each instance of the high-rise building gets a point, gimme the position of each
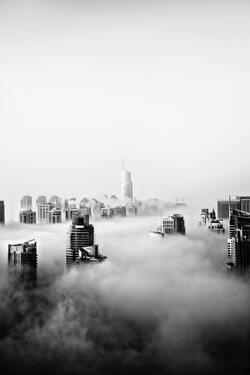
(107, 212)
(56, 201)
(42, 209)
(239, 241)
(72, 202)
(120, 211)
(241, 203)
(27, 217)
(167, 226)
(54, 216)
(223, 207)
(245, 203)
(80, 234)
(179, 224)
(174, 224)
(204, 215)
(70, 212)
(126, 184)
(2, 212)
(41, 199)
(26, 202)
(22, 259)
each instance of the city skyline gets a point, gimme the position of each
(139, 268)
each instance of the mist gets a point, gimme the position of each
(154, 305)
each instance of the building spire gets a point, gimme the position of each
(123, 163)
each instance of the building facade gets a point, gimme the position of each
(174, 224)
(239, 241)
(54, 216)
(223, 207)
(42, 209)
(41, 199)
(26, 202)
(80, 234)
(56, 201)
(27, 217)
(2, 213)
(22, 259)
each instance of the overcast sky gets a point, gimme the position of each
(164, 84)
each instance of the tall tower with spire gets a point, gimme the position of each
(126, 184)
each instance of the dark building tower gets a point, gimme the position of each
(245, 204)
(239, 241)
(179, 224)
(22, 259)
(2, 212)
(223, 207)
(80, 235)
(27, 217)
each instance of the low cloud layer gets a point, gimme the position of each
(162, 306)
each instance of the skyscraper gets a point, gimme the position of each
(167, 226)
(245, 203)
(22, 259)
(126, 184)
(41, 199)
(54, 216)
(2, 212)
(56, 201)
(174, 224)
(26, 202)
(179, 224)
(239, 241)
(80, 234)
(223, 207)
(27, 217)
(42, 209)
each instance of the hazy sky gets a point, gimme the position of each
(165, 84)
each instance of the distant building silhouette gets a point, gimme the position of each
(26, 202)
(56, 201)
(54, 216)
(42, 209)
(131, 210)
(126, 184)
(2, 212)
(27, 217)
(239, 241)
(70, 212)
(41, 199)
(107, 212)
(22, 259)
